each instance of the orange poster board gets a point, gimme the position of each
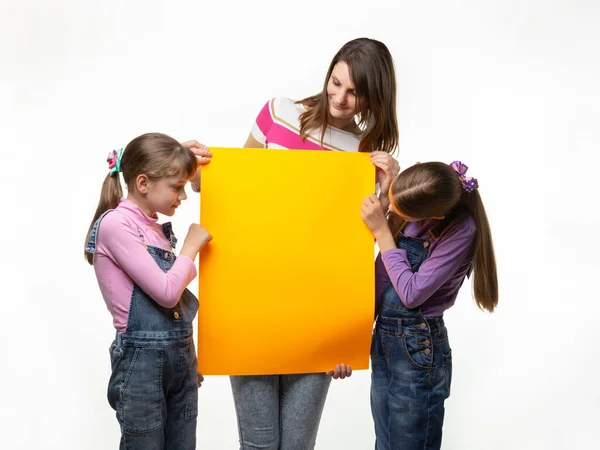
(287, 283)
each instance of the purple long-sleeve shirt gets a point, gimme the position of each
(434, 287)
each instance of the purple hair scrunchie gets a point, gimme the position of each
(469, 184)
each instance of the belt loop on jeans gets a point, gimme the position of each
(399, 330)
(119, 338)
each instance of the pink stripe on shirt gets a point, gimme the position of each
(278, 126)
(264, 120)
(288, 139)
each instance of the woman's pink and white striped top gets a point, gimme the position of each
(278, 126)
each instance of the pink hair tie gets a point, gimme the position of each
(114, 161)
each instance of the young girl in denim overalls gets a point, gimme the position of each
(436, 235)
(154, 382)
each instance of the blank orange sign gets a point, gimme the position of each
(287, 283)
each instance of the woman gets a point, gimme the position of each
(355, 111)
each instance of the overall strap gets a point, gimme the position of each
(91, 242)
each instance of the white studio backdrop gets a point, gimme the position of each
(509, 87)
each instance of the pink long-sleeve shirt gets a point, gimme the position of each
(121, 259)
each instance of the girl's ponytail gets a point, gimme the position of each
(485, 279)
(109, 199)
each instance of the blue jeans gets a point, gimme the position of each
(279, 412)
(411, 365)
(154, 391)
(409, 384)
(154, 382)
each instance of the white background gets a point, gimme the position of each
(511, 87)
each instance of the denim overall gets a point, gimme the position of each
(411, 366)
(154, 381)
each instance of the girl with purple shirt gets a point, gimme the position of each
(154, 382)
(436, 234)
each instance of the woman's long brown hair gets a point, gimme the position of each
(372, 72)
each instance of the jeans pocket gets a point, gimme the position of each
(116, 353)
(191, 406)
(117, 375)
(376, 344)
(141, 396)
(418, 349)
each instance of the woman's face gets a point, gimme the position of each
(341, 96)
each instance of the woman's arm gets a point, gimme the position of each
(203, 154)
(387, 169)
(251, 142)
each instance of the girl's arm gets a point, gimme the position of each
(374, 217)
(452, 252)
(120, 242)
